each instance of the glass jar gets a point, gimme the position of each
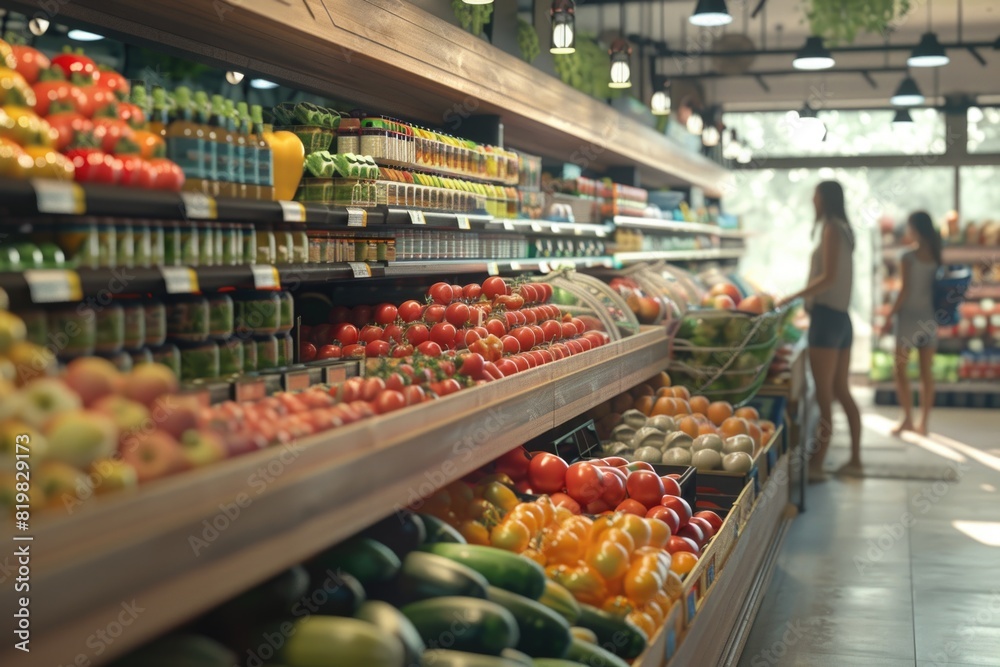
(220, 316)
(257, 313)
(231, 360)
(267, 352)
(156, 323)
(199, 360)
(188, 317)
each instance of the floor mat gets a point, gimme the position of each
(906, 472)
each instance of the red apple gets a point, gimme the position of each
(92, 378)
(727, 289)
(154, 455)
(719, 302)
(752, 304)
(147, 382)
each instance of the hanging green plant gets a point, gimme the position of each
(527, 40)
(472, 17)
(839, 21)
(588, 69)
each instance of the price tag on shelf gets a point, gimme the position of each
(492, 268)
(180, 280)
(710, 573)
(536, 227)
(59, 197)
(335, 374)
(360, 269)
(292, 211)
(578, 230)
(508, 225)
(515, 266)
(296, 380)
(251, 390)
(53, 285)
(543, 267)
(463, 222)
(198, 206)
(556, 229)
(357, 217)
(691, 602)
(265, 277)
(202, 396)
(417, 218)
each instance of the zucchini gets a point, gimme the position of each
(187, 650)
(593, 655)
(444, 658)
(344, 596)
(614, 634)
(516, 656)
(583, 634)
(436, 530)
(464, 624)
(501, 568)
(544, 633)
(370, 562)
(558, 598)
(402, 532)
(425, 576)
(391, 621)
(331, 641)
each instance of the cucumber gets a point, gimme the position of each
(187, 650)
(614, 634)
(464, 624)
(370, 562)
(402, 532)
(557, 598)
(330, 641)
(593, 655)
(425, 576)
(344, 596)
(501, 568)
(391, 621)
(444, 658)
(544, 633)
(516, 656)
(436, 530)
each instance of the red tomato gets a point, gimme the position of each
(441, 293)
(307, 352)
(496, 327)
(472, 291)
(361, 316)
(393, 333)
(339, 314)
(325, 352)
(692, 532)
(493, 371)
(371, 388)
(414, 394)
(137, 173)
(670, 486)
(552, 330)
(385, 313)
(530, 293)
(678, 543)
(547, 472)
(678, 505)
(636, 465)
(584, 482)
(445, 387)
(521, 363)
(546, 356)
(417, 333)
(510, 345)
(429, 348)
(466, 337)
(645, 487)
(410, 311)
(457, 314)
(494, 287)
(631, 506)
(68, 125)
(615, 461)
(355, 350)
(666, 515)
(509, 301)
(94, 166)
(395, 381)
(537, 357)
(530, 360)
(706, 528)
(613, 487)
(443, 334)
(344, 333)
(472, 365)
(562, 500)
(714, 519)
(514, 464)
(510, 319)
(586, 343)
(574, 347)
(525, 338)
(370, 333)
(434, 313)
(531, 317)
(507, 367)
(388, 401)
(377, 348)
(402, 351)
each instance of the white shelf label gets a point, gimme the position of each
(508, 225)
(297, 381)
(357, 217)
(417, 218)
(463, 222)
(292, 211)
(492, 268)
(265, 277)
(250, 390)
(578, 231)
(335, 374)
(543, 267)
(59, 197)
(53, 285)
(515, 266)
(199, 206)
(556, 229)
(535, 227)
(180, 280)
(360, 269)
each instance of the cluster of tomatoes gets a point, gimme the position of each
(510, 326)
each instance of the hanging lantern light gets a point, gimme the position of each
(660, 103)
(563, 27)
(695, 123)
(621, 72)
(733, 147)
(711, 136)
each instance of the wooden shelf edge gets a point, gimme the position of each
(272, 509)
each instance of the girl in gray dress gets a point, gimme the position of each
(913, 318)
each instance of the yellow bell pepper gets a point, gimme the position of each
(14, 162)
(49, 163)
(14, 88)
(24, 126)
(7, 58)
(288, 155)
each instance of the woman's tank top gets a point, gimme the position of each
(920, 279)
(838, 295)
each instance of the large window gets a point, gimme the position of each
(980, 194)
(984, 130)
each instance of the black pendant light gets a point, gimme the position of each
(929, 52)
(813, 55)
(563, 27)
(711, 14)
(902, 117)
(908, 94)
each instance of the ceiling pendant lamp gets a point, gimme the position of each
(660, 103)
(928, 53)
(563, 27)
(711, 14)
(732, 148)
(621, 72)
(908, 94)
(813, 55)
(478, 2)
(902, 118)
(695, 123)
(710, 136)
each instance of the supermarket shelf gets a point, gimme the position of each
(492, 267)
(410, 216)
(983, 291)
(970, 387)
(286, 503)
(955, 254)
(694, 255)
(675, 226)
(552, 227)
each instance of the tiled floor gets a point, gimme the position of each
(893, 573)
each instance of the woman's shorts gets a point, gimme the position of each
(829, 328)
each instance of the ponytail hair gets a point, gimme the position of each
(923, 225)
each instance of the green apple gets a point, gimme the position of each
(43, 399)
(129, 416)
(79, 437)
(114, 475)
(201, 447)
(12, 330)
(60, 484)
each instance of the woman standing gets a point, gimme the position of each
(828, 296)
(913, 318)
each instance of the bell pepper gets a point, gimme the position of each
(68, 123)
(24, 126)
(7, 58)
(30, 62)
(49, 163)
(51, 88)
(14, 89)
(288, 155)
(14, 162)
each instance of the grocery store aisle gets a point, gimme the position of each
(888, 572)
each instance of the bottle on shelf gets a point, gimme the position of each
(158, 112)
(265, 162)
(225, 148)
(244, 152)
(185, 141)
(210, 132)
